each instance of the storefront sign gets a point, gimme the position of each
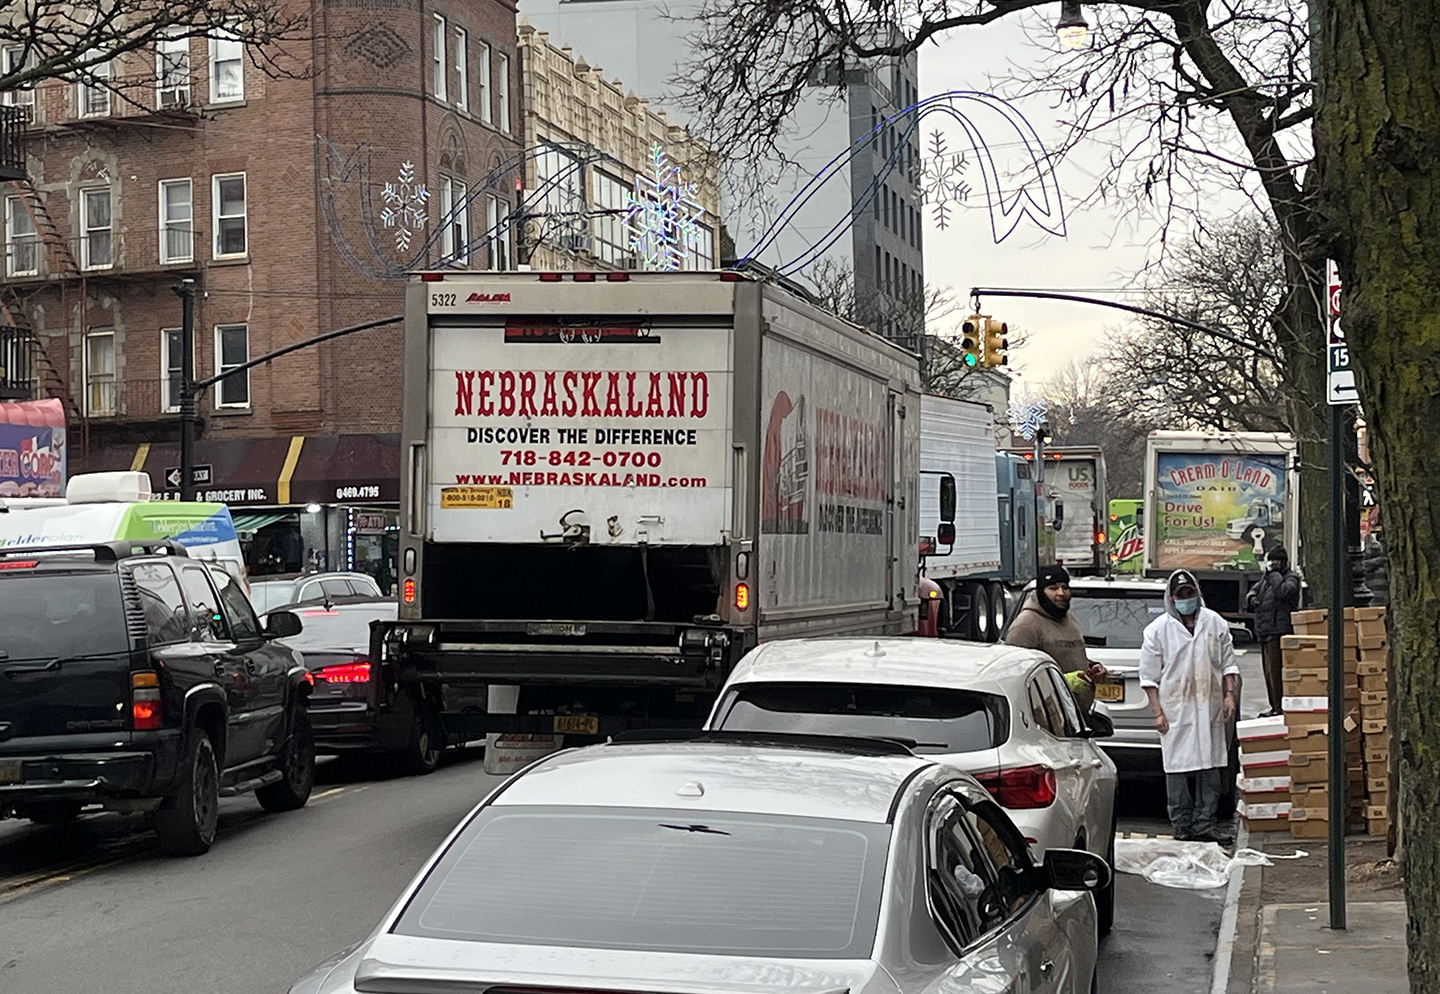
(32, 449)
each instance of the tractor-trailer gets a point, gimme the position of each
(616, 484)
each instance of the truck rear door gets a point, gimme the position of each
(64, 653)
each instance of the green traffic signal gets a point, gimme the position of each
(970, 359)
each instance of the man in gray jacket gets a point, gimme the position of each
(1045, 623)
(1273, 599)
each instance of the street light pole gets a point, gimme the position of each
(186, 291)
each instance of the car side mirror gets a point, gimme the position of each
(1097, 641)
(282, 624)
(1100, 725)
(1074, 869)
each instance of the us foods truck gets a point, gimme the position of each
(616, 484)
(1216, 504)
(1075, 481)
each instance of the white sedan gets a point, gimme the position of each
(1000, 713)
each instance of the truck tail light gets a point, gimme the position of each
(1021, 788)
(1099, 538)
(742, 596)
(583, 277)
(617, 277)
(409, 590)
(145, 707)
(354, 672)
(432, 277)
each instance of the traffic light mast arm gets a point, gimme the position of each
(977, 292)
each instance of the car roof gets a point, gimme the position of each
(911, 662)
(1137, 584)
(356, 601)
(278, 578)
(715, 776)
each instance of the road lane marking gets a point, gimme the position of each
(326, 793)
(15, 889)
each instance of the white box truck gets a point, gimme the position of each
(616, 484)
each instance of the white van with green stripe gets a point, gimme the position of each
(107, 507)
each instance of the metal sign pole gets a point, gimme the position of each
(186, 290)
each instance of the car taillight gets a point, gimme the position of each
(409, 591)
(145, 708)
(1021, 788)
(356, 672)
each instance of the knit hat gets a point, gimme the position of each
(1051, 575)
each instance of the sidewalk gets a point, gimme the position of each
(1283, 942)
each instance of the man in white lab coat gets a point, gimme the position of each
(1188, 670)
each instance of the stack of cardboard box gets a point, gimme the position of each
(1305, 674)
(1372, 654)
(1264, 774)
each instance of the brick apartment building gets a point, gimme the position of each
(295, 201)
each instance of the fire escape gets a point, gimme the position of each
(49, 269)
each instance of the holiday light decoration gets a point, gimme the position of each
(1028, 419)
(404, 209)
(661, 215)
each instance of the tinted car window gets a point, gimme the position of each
(1049, 704)
(1000, 848)
(1069, 710)
(342, 628)
(44, 615)
(682, 881)
(937, 720)
(337, 587)
(204, 606)
(166, 619)
(243, 624)
(1118, 616)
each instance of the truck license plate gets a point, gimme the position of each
(486, 498)
(10, 771)
(1107, 690)
(577, 724)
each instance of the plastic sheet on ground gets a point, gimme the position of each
(1185, 865)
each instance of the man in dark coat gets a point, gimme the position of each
(1273, 599)
(1045, 623)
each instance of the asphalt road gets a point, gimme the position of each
(94, 907)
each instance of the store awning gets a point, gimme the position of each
(249, 524)
(279, 471)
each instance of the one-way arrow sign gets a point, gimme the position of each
(199, 475)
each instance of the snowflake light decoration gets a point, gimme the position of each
(661, 215)
(405, 201)
(943, 182)
(1027, 420)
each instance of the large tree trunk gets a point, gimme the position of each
(1379, 160)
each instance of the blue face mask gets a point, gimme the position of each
(1187, 605)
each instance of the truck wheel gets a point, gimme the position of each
(53, 812)
(980, 614)
(422, 755)
(297, 763)
(187, 819)
(997, 610)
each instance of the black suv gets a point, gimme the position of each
(135, 677)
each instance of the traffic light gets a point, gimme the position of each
(972, 345)
(996, 344)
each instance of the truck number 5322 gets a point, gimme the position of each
(442, 300)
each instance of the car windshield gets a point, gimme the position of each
(1117, 616)
(936, 720)
(49, 615)
(268, 596)
(671, 881)
(340, 628)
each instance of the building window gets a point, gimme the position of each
(484, 83)
(171, 355)
(455, 221)
(100, 372)
(497, 231)
(232, 348)
(462, 70)
(611, 244)
(172, 72)
(437, 44)
(22, 241)
(700, 248)
(177, 216)
(96, 246)
(95, 93)
(228, 200)
(16, 60)
(227, 69)
(560, 190)
(502, 92)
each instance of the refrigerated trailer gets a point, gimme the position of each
(617, 484)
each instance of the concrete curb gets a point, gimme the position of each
(1229, 919)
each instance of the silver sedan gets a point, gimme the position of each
(735, 864)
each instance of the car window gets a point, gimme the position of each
(266, 596)
(241, 617)
(1117, 616)
(336, 587)
(1003, 849)
(1069, 710)
(365, 585)
(204, 605)
(937, 720)
(309, 591)
(1038, 712)
(48, 615)
(166, 619)
(1050, 702)
(685, 881)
